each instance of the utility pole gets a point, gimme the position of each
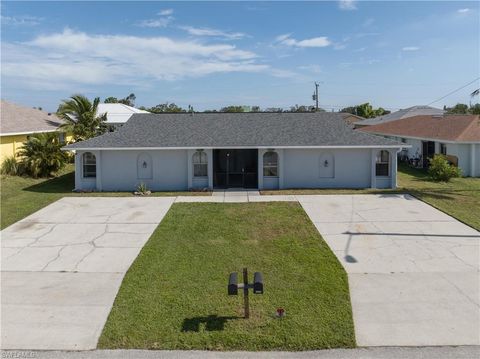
(315, 96)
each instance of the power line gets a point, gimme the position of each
(451, 93)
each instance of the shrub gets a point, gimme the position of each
(42, 155)
(142, 190)
(441, 170)
(11, 166)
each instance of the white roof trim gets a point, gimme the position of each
(424, 138)
(223, 147)
(28, 132)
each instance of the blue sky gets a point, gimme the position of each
(212, 54)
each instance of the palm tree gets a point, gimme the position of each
(41, 155)
(80, 116)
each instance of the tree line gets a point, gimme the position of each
(365, 110)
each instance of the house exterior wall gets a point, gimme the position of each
(11, 144)
(468, 154)
(172, 170)
(118, 171)
(351, 167)
(462, 152)
(476, 160)
(468, 157)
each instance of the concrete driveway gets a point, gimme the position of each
(413, 270)
(62, 268)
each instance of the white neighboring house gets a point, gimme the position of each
(117, 113)
(235, 150)
(455, 136)
(418, 110)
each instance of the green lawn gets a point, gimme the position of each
(459, 198)
(175, 294)
(21, 196)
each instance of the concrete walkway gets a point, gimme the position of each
(234, 196)
(413, 270)
(63, 265)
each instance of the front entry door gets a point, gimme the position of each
(235, 168)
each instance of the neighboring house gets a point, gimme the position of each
(19, 122)
(350, 118)
(235, 150)
(456, 136)
(398, 115)
(117, 113)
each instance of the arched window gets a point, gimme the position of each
(89, 165)
(200, 164)
(382, 165)
(270, 164)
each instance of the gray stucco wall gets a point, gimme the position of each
(477, 159)
(170, 170)
(462, 152)
(302, 168)
(118, 171)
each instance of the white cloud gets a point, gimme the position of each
(197, 31)
(24, 20)
(161, 22)
(368, 22)
(347, 5)
(80, 58)
(410, 48)
(463, 11)
(283, 73)
(316, 69)
(165, 12)
(285, 39)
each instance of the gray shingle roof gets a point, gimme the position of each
(203, 130)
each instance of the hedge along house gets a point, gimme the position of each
(235, 150)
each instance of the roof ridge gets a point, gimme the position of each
(471, 124)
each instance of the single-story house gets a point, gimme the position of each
(235, 150)
(419, 110)
(17, 123)
(117, 113)
(455, 136)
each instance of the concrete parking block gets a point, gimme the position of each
(200, 199)
(236, 199)
(273, 198)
